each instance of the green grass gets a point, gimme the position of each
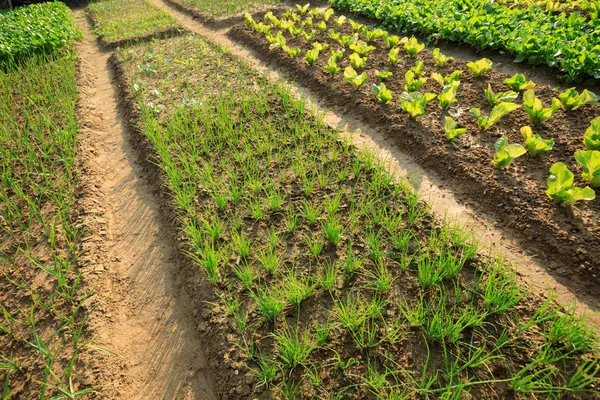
(128, 19)
(226, 7)
(42, 322)
(345, 286)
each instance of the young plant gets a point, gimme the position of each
(394, 56)
(417, 69)
(451, 130)
(320, 46)
(309, 37)
(383, 94)
(311, 56)
(356, 26)
(480, 67)
(383, 75)
(332, 66)
(448, 79)
(357, 61)
(321, 26)
(561, 189)
(341, 20)
(440, 59)
(292, 52)
(370, 36)
(414, 103)
(413, 47)
(506, 153)
(500, 97)
(352, 76)
(534, 143)
(519, 83)
(327, 14)
(413, 84)
(570, 99)
(590, 164)
(534, 107)
(591, 138)
(338, 55)
(362, 48)
(448, 95)
(390, 40)
(498, 112)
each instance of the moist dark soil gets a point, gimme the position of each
(566, 238)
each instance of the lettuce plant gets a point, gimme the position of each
(327, 14)
(571, 99)
(249, 21)
(321, 26)
(448, 79)
(382, 93)
(334, 35)
(294, 31)
(316, 13)
(591, 138)
(394, 56)
(390, 40)
(332, 66)
(303, 9)
(370, 36)
(356, 26)
(339, 54)
(561, 189)
(534, 107)
(500, 97)
(291, 51)
(448, 95)
(361, 48)
(417, 69)
(480, 67)
(354, 78)
(506, 153)
(451, 130)
(590, 164)
(308, 22)
(311, 56)
(439, 58)
(414, 103)
(413, 47)
(413, 84)
(498, 112)
(341, 20)
(383, 75)
(357, 61)
(320, 46)
(519, 83)
(534, 143)
(309, 37)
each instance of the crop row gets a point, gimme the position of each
(570, 43)
(360, 46)
(592, 7)
(225, 7)
(35, 29)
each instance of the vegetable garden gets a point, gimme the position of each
(324, 275)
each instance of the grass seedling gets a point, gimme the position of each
(332, 230)
(293, 346)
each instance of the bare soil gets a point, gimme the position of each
(144, 313)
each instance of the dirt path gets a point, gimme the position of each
(532, 272)
(143, 313)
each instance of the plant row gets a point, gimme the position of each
(568, 42)
(226, 7)
(592, 7)
(35, 29)
(360, 44)
(326, 272)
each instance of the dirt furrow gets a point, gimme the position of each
(143, 313)
(532, 272)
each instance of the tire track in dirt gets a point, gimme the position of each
(440, 198)
(143, 312)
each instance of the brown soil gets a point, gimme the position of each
(570, 236)
(143, 311)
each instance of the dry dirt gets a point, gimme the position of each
(143, 312)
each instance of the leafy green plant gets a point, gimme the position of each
(383, 94)
(414, 103)
(320, 46)
(413, 47)
(311, 56)
(292, 52)
(417, 69)
(480, 67)
(356, 26)
(332, 66)
(303, 9)
(357, 61)
(362, 48)
(451, 130)
(561, 189)
(371, 35)
(448, 79)
(383, 75)
(341, 20)
(519, 83)
(534, 107)
(534, 143)
(570, 99)
(500, 97)
(321, 26)
(338, 54)
(439, 58)
(394, 56)
(309, 37)
(498, 112)
(390, 40)
(589, 160)
(327, 14)
(413, 84)
(591, 138)
(506, 153)
(354, 78)
(448, 95)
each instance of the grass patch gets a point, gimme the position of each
(335, 281)
(123, 20)
(226, 7)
